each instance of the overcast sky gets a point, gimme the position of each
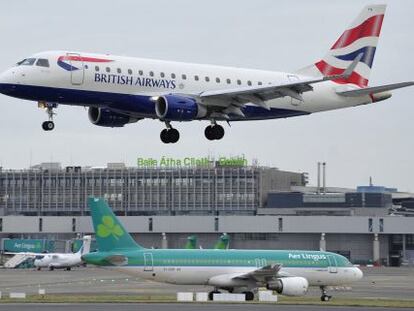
(374, 140)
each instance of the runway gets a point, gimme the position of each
(179, 307)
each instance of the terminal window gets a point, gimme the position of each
(370, 224)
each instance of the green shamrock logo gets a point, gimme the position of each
(108, 227)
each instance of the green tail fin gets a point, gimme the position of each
(223, 242)
(110, 233)
(191, 242)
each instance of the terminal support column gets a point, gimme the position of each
(322, 242)
(376, 250)
(164, 241)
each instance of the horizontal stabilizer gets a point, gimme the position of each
(374, 89)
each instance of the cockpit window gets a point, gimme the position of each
(42, 62)
(27, 62)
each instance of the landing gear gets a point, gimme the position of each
(325, 296)
(210, 294)
(169, 135)
(249, 295)
(48, 125)
(68, 269)
(214, 132)
(51, 268)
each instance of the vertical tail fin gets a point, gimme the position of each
(361, 37)
(191, 242)
(86, 245)
(223, 242)
(110, 233)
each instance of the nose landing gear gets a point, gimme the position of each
(48, 125)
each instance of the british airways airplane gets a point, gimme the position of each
(121, 90)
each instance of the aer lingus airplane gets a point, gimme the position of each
(289, 272)
(120, 90)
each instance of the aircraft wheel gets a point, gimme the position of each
(325, 298)
(209, 132)
(249, 296)
(51, 268)
(48, 125)
(164, 136)
(219, 131)
(174, 135)
(68, 269)
(38, 268)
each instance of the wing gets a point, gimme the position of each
(232, 100)
(261, 275)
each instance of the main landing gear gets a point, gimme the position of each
(48, 125)
(169, 135)
(325, 296)
(214, 132)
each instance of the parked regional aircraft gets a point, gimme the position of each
(222, 243)
(289, 272)
(63, 260)
(121, 90)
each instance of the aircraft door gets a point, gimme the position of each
(77, 71)
(333, 265)
(294, 101)
(148, 262)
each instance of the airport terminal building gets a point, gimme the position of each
(259, 207)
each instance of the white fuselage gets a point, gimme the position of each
(99, 83)
(57, 260)
(185, 275)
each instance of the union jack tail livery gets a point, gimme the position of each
(361, 38)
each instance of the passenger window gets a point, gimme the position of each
(162, 75)
(28, 62)
(207, 79)
(108, 69)
(42, 62)
(218, 80)
(183, 76)
(140, 72)
(129, 71)
(151, 73)
(228, 81)
(96, 68)
(196, 78)
(238, 82)
(173, 75)
(249, 83)
(118, 70)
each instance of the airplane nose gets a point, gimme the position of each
(358, 273)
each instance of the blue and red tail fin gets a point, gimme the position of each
(361, 37)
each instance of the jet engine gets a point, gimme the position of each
(108, 118)
(178, 108)
(289, 286)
